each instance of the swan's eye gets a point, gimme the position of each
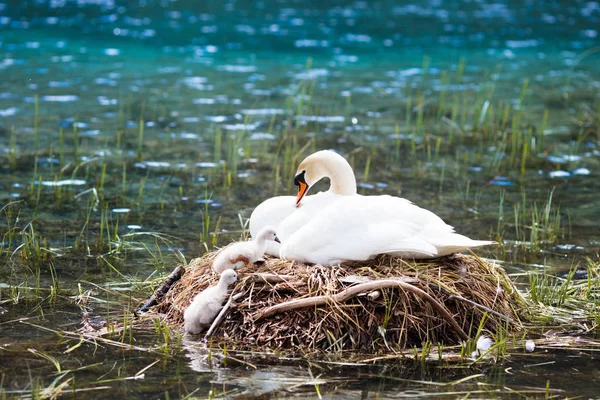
(299, 178)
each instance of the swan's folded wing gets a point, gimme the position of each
(311, 207)
(360, 227)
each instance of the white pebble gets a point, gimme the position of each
(484, 343)
(529, 346)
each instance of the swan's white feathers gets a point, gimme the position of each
(276, 210)
(454, 243)
(359, 227)
(282, 213)
(311, 206)
(271, 212)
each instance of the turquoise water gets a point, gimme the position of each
(196, 109)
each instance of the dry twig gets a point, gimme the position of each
(360, 288)
(163, 288)
(221, 314)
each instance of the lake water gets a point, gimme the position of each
(131, 132)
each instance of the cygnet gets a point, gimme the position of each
(240, 254)
(207, 304)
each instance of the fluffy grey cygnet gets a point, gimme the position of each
(207, 304)
(240, 254)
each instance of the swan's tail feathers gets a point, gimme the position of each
(477, 243)
(455, 243)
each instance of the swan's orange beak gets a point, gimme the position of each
(302, 187)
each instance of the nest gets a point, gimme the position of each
(379, 305)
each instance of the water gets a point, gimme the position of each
(185, 105)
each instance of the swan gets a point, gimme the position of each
(207, 304)
(357, 227)
(240, 254)
(289, 213)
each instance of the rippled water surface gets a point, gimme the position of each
(132, 132)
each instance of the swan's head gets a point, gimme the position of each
(228, 277)
(325, 164)
(267, 233)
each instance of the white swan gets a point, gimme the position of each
(239, 254)
(207, 304)
(289, 213)
(359, 227)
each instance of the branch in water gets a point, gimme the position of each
(163, 288)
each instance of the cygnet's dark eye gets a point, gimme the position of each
(299, 178)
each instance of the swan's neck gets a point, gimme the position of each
(261, 244)
(341, 176)
(222, 285)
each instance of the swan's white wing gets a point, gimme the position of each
(387, 238)
(359, 227)
(311, 206)
(346, 230)
(282, 213)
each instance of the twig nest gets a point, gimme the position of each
(293, 306)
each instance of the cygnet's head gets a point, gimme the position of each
(228, 276)
(325, 164)
(267, 233)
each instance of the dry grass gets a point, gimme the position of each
(385, 319)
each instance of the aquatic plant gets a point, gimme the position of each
(571, 300)
(534, 226)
